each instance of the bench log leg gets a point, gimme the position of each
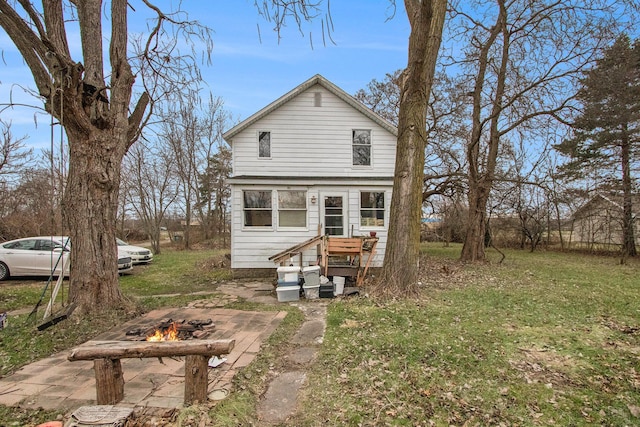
(109, 381)
(196, 379)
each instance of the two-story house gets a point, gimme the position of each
(314, 162)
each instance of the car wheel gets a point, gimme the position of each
(4, 271)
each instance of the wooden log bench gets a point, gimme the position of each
(106, 357)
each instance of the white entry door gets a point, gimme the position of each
(334, 210)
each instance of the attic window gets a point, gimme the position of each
(317, 99)
(361, 140)
(264, 144)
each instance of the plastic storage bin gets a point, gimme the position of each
(311, 275)
(326, 290)
(338, 281)
(288, 293)
(311, 291)
(288, 276)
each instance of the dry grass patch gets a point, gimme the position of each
(542, 339)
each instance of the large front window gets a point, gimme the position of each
(292, 208)
(371, 209)
(257, 208)
(361, 139)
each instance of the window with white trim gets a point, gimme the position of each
(371, 209)
(292, 208)
(264, 144)
(257, 208)
(361, 143)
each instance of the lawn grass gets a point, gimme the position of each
(543, 339)
(176, 272)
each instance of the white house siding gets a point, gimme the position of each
(251, 247)
(312, 141)
(311, 149)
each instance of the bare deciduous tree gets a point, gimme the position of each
(13, 153)
(151, 187)
(192, 139)
(523, 67)
(93, 100)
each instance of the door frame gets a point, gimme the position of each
(345, 210)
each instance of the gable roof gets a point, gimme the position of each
(613, 200)
(315, 80)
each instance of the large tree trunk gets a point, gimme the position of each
(473, 247)
(400, 273)
(90, 208)
(96, 114)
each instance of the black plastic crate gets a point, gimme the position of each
(326, 290)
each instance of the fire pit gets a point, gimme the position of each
(170, 330)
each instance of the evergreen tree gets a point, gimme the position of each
(606, 133)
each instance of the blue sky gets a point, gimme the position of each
(250, 67)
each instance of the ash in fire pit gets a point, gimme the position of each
(170, 330)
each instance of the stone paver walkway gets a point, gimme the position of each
(281, 399)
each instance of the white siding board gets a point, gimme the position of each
(307, 141)
(251, 248)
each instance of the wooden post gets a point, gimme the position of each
(109, 381)
(195, 379)
(106, 357)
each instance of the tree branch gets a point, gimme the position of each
(29, 44)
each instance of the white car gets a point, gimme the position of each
(138, 254)
(39, 256)
(124, 262)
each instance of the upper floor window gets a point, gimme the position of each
(264, 144)
(371, 209)
(292, 208)
(361, 140)
(257, 208)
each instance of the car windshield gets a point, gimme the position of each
(121, 242)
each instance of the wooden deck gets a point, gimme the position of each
(339, 256)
